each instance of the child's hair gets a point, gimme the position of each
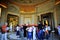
(59, 24)
(17, 24)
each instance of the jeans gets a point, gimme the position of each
(21, 33)
(0, 35)
(4, 36)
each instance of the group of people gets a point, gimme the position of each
(32, 32)
(24, 31)
(39, 32)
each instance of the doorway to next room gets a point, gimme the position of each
(48, 18)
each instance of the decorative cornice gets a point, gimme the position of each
(3, 5)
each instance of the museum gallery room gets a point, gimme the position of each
(26, 19)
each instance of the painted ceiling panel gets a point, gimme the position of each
(27, 9)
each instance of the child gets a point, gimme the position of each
(29, 32)
(49, 29)
(46, 31)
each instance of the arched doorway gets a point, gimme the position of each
(12, 19)
(48, 18)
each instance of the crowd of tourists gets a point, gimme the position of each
(32, 32)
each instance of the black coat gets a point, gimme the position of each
(40, 26)
(24, 27)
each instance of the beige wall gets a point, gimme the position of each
(58, 13)
(31, 19)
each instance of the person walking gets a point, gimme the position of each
(11, 27)
(34, 32)
(24, 27)
(4, 32)
(40, 34)
(46, 31)
(17, 30)
(21, 31)
(40, 25)
(29, 32)
(58, 30)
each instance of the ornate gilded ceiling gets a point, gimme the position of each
(27, 5)
(29, 2)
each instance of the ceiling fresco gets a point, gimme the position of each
(27, 5)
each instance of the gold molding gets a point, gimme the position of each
(12, 13)
(57, 3)
(3, 5)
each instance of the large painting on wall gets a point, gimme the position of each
(12, 19)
